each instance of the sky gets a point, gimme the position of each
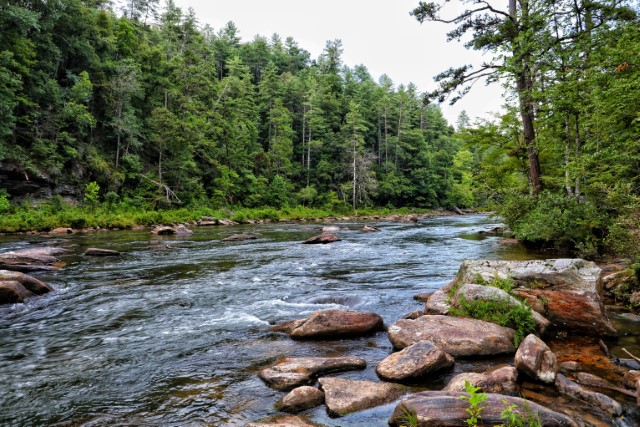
(378, 34)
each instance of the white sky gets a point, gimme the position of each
(376, 33)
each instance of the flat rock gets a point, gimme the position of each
(598, 400)
(565, 291)
(344, 396)
(284, 421)
(416, 361)
(300, 399)
(12, 292)
(473, 292)
(536, 360)
(29, 260)
(446, 409)
(62, 230)
(239, 237)
(32, 284)
(296, 371)
(500, 380)
(101, 252)
(322, 239)
(332, 324)
(454, 335)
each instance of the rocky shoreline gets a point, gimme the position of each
(549, 381)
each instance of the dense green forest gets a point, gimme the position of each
(139, 106)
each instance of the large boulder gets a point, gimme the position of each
(455, 335)
(565, 291)
(446, 409)
(473, 292)
(293, 372)
(284, 421)
(598, 400)
(417, 360)
(332, 324)
(322, 239)
(32, 284)
(500, 380)
(344, 396)
(536, 360)
(12, 292)
(439, 301)
(35, 259)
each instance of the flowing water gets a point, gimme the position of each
(173, 331)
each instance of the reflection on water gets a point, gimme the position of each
(173, 331)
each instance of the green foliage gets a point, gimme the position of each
(5, 205)
(499, 311)
(513, 416)
(409, 418)
(92, 194)
(476, 405)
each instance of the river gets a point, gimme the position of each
(173, 331)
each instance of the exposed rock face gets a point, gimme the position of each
(565, 291)
(438, 302)
(239, 237)
(455, 335)
(501, 380)
(29, 260)
(446, 409)
(62, 230)
(322, 239)
(599, 400)
(332, 324)
(631, 378)
(415, 361)
(300, 399)
(32, 284)
(12, 292)
(182, 230)
(101, 252)
(296, 371)
(284, 421)
(535, 359)
(472, 292)
(163, 230)
(346, 396)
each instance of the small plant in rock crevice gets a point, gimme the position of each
(476, 403)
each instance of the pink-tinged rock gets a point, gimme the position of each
(30, 260)
(322, 239)
(12, 292)
(416, 361)
(239, 237)
(455, 335)
(344, 396)
(332, 324)
(501, 380)
(565, 291)
(296, 371)
(300, 399)
(448, 409)
(62, 230)
(101, 252)
(284, 421)
(32, 284)
(536, 360)
(598, 400)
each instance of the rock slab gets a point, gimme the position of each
(331, 323)
(101, 252)
(417, 360)
(446, 409)
(323, 238)
(536, 360)
(293, 372)
(284, 421)
(501, 380)
(454, 335)
(605, 403)
(565, 291)
(29, 260)
(344, 396)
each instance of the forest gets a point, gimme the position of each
(139, 107)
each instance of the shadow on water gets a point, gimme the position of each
(173, 330)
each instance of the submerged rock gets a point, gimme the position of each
(284, 421)
(344, 396)
(370, 229)
(565, 291)
(332, 324)
(296, 371)
(30, 260)
(300, 399)
(535, 359)
(455, 335)
(322, 239)
(500, 380)
(417, 360)
(239, 237)
(445, 409)
(101, 252)
(598, 400)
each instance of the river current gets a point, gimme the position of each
(173, 331)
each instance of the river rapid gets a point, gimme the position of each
(173, 331)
